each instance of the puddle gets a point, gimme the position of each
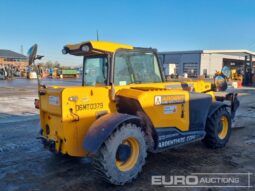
(250, 142)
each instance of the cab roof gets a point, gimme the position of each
(96, 47)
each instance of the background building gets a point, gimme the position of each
(8, 57)
(205, 62)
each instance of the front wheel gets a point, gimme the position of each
(122, 155)
(218, 129)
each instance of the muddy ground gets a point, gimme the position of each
(25, 165)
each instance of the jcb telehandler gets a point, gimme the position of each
(124, 109)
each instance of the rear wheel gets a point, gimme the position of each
(122, 156)
(218, 129)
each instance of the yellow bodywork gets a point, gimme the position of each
(100, 46)
(69, 120)
(68, 112)
(156, 112)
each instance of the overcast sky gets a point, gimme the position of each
(163, 24)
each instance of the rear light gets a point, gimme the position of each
(37, 104)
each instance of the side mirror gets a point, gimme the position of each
(31, 53)
(220, 83)
(226, 71)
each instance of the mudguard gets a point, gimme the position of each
(215, 106)
(199, 107)
(103, 127)
(235, 103)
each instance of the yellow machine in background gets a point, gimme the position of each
(124, 109)
(236, 74)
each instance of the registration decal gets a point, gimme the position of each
(170, 109)
(92, 106)
(54, 100)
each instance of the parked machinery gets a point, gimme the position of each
(125, 109)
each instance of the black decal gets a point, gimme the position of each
(93, 106)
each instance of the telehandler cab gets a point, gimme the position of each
(124, 109)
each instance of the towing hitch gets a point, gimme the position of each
(48, 144)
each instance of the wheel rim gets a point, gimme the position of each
(130, 162)
(223, 129)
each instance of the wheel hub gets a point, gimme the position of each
(220, 126)
(123, 152)
(223, 127)
(127, 154)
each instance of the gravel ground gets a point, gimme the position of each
(25, 165)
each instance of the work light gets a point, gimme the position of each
(85, 48)
(64, 51)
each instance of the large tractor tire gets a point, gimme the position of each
(122, 155)
(218, 129)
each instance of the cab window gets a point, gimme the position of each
(95, 71)
(136, 67)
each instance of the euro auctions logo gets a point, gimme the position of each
(238, 180)
(174, 180)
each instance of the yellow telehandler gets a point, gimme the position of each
(124, 109)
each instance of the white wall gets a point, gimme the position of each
(213, 62)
